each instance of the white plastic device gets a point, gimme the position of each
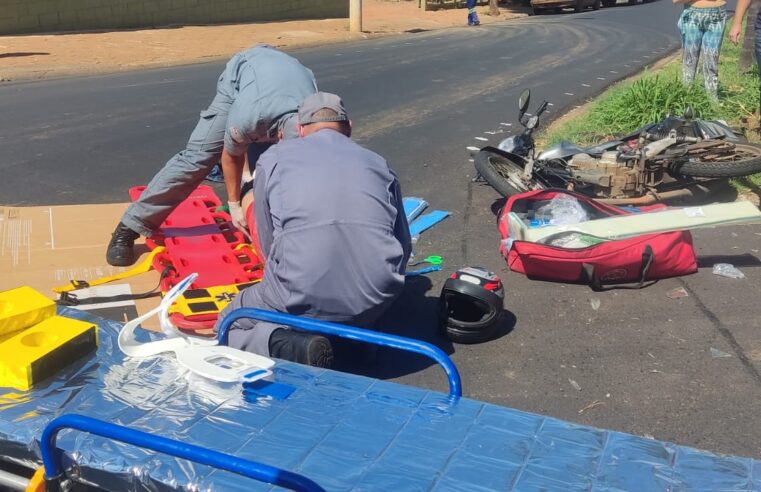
(202, 356)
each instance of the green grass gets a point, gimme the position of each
(632, 104)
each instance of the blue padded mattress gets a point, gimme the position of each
(345, 432)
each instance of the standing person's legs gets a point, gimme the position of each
(692, 35)
(472, 14)
(172, 184)
(713, 28)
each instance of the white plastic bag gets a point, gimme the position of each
(727, 270)
(563, 210)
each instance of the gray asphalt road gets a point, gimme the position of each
(642, 360)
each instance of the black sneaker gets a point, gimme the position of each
(120, 250)
(300, 347)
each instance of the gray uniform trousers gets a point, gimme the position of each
(186, 170)
(241, 335)
(254, 336)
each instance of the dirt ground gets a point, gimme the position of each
(53, 55)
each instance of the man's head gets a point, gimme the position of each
(323, 110)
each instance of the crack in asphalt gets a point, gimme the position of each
(724, 332)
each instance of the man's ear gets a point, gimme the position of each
(349, 135)
(280, 135)
(300, 129)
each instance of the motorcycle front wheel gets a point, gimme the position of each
(743, 160)
(503, 174)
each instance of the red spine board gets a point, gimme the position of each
(200, 239)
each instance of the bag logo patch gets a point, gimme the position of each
(617, 274)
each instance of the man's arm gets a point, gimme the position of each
(233, 160)
(232, 168)
(737, 22)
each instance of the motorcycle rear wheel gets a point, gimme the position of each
(743, 161)
(501, 173)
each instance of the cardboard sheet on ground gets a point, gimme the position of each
(45, 247)
(624, 226)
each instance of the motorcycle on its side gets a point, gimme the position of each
(673, 158)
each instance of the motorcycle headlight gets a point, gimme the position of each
(507, 145)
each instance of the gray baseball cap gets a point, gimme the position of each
(321, 100)
(287, 125)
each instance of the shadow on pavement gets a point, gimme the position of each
(414, 315)
(744, 260)
(20, 54)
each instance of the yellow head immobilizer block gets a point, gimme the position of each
(44, 349)
(23, 307)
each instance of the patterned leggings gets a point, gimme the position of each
(702, 32)
(472, 14)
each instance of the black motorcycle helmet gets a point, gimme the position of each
(470, 305)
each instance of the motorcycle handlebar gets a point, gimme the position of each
(542, 108)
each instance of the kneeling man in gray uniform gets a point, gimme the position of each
(330, 222)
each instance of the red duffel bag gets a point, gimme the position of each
(634, 260)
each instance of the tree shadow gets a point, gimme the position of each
(750, 185)
(19, 54)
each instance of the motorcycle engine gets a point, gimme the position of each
(610, 176)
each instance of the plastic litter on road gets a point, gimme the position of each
(718, 354)
(727, 270)
(423, 271)
(425, 222)
(678, 293)
(413, 207)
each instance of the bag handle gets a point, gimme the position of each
(589, 277)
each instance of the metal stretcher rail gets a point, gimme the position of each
(350, 333)
(51, 458)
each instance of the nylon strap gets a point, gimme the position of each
(142, 267)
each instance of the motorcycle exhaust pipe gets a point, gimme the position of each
(651, 197)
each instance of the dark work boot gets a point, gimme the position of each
(120, 250)
(304, 348)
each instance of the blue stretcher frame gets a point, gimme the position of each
(350, 333)
(342, 431)
(54, 471)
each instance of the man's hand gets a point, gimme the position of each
(735, 31)
(239, 218)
